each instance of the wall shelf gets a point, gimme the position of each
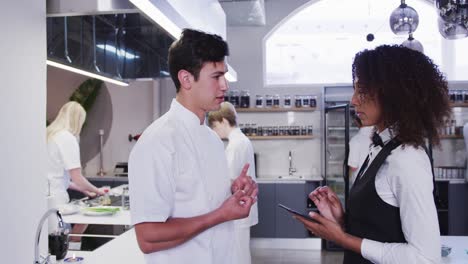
(277, 109)
(459, 104)
(451, 137)
(279, 137)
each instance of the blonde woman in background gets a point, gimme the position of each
(239, 151)
(64, 165)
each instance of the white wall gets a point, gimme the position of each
(133, 111)
(133, 108)
(22, 115)
(246, 57)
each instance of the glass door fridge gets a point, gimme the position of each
(338, 128)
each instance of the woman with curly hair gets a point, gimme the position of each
(391, 215)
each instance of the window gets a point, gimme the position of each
(317, 43)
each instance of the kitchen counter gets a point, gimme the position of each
(124, 249)
(287, 179)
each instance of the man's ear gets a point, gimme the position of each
(185, 79)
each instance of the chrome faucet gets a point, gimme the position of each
(291, 169)
(62, 225)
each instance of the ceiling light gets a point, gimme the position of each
(404, 19)
(119, 52)
(413, 44)
(453, 18)
(86, 73)
(158, 17)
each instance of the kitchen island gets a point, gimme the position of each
(124, 249)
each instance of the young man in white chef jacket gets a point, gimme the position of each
(181, 197)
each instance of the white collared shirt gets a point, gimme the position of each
(359, 148)
(405, 180)
(239, 151)
(178, 169)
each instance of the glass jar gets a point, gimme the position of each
(247, 129)
(253, 129)
(303, 130)
(234, 98)
(465, 96)
(276, 101)
(309, 130)
(287, 101)
(306, 101)
(459, 96)
(259, 101)
(125, 198)
(260, 131)
(245, 99)
(268, 100)
(298, 101)
(452, 96)
(313, 101)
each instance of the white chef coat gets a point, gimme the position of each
(359, 148)
(178, 169)
(64, 155)
(239, 151)
(405, 180)
(465, 136)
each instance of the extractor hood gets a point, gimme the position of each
(116, 39)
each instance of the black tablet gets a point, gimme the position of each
(297, 213)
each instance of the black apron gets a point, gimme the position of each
(368, 216)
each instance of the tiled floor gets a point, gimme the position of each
(287, 256)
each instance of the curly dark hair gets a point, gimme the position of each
(193, 49)
(411, 91)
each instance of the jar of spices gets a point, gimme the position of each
(245, 99)
(313, 101)
(276, 101)
(287, 101)
(259, 101)
(268, 101)
(234, 98)
(298, 101)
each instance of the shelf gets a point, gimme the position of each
(335, 162)
(341, 128)
(451, 137)
(459, 104)
(275, 109)
(279, 137)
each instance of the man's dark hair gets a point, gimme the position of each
(411, 91)
(192, 50)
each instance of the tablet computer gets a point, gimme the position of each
(292, 211)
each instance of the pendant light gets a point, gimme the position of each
(453, 18)
(413, 44)
(404, 19)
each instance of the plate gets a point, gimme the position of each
(99, 211)
(68, 209)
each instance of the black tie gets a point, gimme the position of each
(377, 140)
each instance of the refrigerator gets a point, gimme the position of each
(338, 128)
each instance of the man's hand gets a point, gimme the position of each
(237, 206)
(245, 183)
(328, 204)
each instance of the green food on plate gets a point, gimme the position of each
(103, 209)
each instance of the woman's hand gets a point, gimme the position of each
(330, 230)
(328, 204)
(323, 227)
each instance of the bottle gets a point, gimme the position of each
(259, 101)
(245, 99)
(268, 101)
(298, 101)
(276, 101)
(125, 198)
(287, 101)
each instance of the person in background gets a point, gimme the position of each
(391, 215)
(64, 165)
(182, 199)
(358, 148)
(239, 151)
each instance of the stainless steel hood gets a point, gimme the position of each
(110, 38)
(116, 39)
